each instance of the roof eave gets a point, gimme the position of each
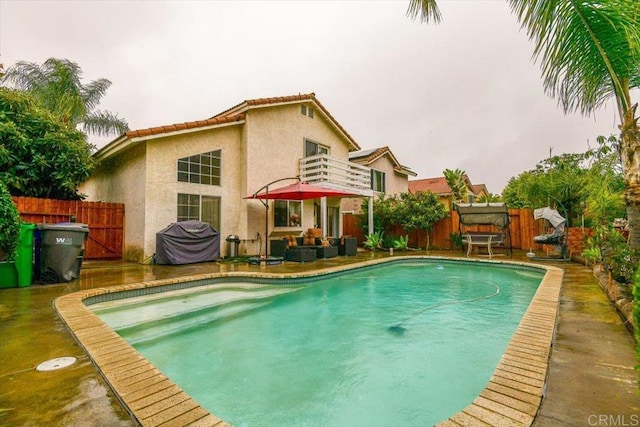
(124, 142)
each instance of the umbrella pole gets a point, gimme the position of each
(266, 205)
(266, 226)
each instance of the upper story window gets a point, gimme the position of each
(312, 148)
(201, 169)
(306, 111)
(378, 181)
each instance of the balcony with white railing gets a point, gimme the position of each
(328, 171)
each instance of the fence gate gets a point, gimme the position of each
(105, 221)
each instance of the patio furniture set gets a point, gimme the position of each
(309, 247)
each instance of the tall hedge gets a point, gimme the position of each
(40, 156)
(9, 225)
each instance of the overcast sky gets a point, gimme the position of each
(463, 94)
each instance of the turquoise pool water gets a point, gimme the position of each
(408, 343)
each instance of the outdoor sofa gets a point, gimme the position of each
(300, 248)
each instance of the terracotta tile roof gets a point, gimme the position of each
(436, 185)
(263, 102)
(183, 126)
(230, 116)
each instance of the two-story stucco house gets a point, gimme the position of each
(206, 169)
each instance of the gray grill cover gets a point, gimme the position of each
(187, 242)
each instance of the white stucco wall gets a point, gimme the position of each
(276, 138)
(163, 186)
(395, 183)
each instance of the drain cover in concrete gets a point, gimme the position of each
(57, 363)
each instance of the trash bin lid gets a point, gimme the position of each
(68, 226)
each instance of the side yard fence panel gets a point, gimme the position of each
(105, 221)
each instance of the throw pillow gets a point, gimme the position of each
(309, 239)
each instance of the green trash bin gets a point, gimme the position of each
(24, 256)
(8, 275)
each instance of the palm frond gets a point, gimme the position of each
(589, 50)
(427, 10)
(23, 75)
(104, 123)
(94, 91)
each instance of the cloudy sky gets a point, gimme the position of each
(463, 94)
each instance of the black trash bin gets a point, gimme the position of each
(59, 251)
(232, 245)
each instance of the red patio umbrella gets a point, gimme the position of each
(301, 191)
(296, 191)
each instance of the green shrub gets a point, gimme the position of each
(374, 241)
(608, 244)
(456, 239)
(401, 243)
(592, 255)
(623, 263)
(9, 225)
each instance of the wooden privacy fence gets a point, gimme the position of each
(105, 221)
(522, 224)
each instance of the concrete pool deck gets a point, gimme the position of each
(591, 380)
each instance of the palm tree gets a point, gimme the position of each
(457, 183)
(589, 51)
(489, 198)
(56, 86)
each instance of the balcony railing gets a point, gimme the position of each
(333, 172)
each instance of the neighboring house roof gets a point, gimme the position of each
(366, 157)
(436, 185)
(479, 188)
(232, 116)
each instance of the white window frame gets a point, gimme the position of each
(383, 178)
(194, 205)
(200, 168)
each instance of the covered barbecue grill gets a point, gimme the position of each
(187, 242)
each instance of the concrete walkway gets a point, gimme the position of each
(591, 380)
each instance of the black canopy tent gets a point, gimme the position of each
(495, 214)
(187, 242)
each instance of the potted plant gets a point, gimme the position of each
(294, 220)
(9, 235)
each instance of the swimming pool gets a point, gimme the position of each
(366, 347)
